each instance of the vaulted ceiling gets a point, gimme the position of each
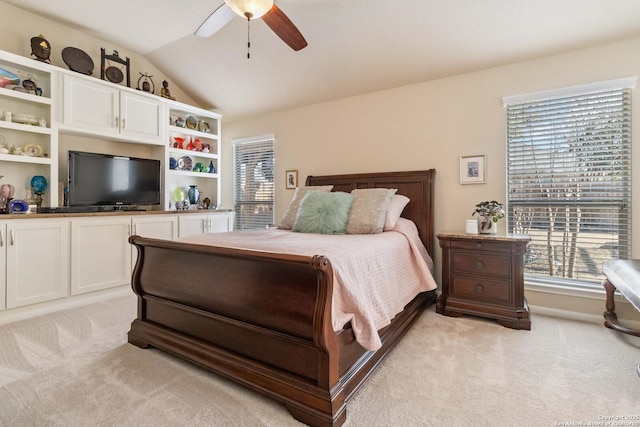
(354, 46)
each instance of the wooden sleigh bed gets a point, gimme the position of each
(264, 319)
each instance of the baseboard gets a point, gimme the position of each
(585, 305)
(21, 313)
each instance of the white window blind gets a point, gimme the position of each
(569, 182)
(253, 182)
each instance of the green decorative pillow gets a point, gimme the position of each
(290, 215)
(323, 213)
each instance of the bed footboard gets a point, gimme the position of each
(260, 319)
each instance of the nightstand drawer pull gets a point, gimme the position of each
(479, 245)
(479, 289)
(479, 265)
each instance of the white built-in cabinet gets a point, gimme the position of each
(192, 127)
(31, 128)
(156, 226)
(73, 103)
(100, 108)
(3, 265)
(218, 222)
(53, 258)
(100, 253)
(36, 258)
(44, 259)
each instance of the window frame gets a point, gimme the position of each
(266, 144)
(557, 95)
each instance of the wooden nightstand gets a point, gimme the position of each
(483, 275)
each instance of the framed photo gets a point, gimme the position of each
(472, 169)
(292, 179)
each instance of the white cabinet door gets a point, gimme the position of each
(218, 222)
(89, 105)
(141, 116)
(190, 224)
(37, 261)
(100, 253)
(3, 265)
(99, 108)
(156, 226)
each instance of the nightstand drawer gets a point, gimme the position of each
(495, 265)
(481, 245)
(479, 289)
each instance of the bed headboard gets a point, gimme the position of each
(416, 185)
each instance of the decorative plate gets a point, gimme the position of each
(32, 150)
(191, 122)
(185, 163)
(77, 60)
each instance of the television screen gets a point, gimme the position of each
(107, 180)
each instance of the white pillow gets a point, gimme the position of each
(398, 202)
(289, 217)
(369, 210)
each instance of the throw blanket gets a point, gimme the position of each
(375, 275)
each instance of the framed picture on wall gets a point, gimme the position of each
(472, 169)
(292, 179)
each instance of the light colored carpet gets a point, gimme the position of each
(75, 368)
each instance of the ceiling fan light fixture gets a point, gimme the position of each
(251, 9)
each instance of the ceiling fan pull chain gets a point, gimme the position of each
(248, 15)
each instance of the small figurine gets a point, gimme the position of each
(164, 92)
(41, 48)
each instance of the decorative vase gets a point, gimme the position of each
(7, 191)
(29, 196)
(39, 184)
(194, 194)
(486, 225)
(212, 169)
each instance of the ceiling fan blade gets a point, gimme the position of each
(284, 28)
(218, 19)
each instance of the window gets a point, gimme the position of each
(569, 179)
(253, 182)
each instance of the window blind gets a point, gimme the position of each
(253, 182)
(569, 182)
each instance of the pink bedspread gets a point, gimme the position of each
(375, 275)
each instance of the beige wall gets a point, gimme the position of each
(430, 125)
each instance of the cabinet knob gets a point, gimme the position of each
(479, 289)
(479, 245)
(479, 265)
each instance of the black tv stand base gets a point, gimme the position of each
(89, 209)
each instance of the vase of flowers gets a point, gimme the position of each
(489, 213)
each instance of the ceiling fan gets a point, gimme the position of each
(254, 9)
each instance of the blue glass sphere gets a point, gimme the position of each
(39, 184)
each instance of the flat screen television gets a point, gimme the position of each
(108, 180)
